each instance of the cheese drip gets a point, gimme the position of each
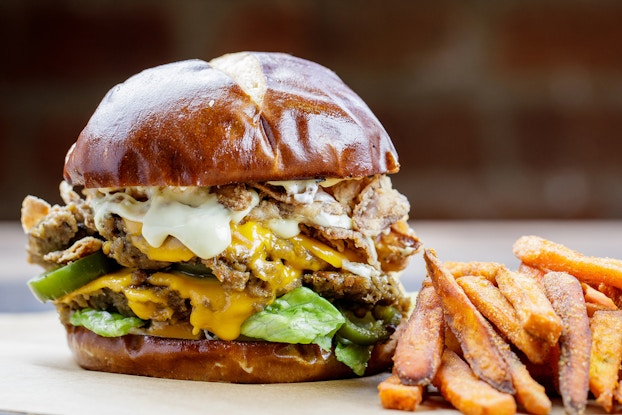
(277, 261)
(198, 224)
(214, 309)
(192, 215)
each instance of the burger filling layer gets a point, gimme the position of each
(308, 261)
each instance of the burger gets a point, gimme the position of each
(230, 221)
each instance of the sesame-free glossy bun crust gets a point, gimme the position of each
(215, 360)
(190, 124)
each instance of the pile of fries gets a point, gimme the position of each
(494, 341)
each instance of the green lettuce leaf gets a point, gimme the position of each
(300, 316)
(104, 323)
(353, 355)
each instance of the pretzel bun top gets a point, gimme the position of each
(243, 117)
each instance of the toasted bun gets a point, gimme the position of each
(243, 117)
(214, 360)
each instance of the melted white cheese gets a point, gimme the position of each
(307, 192)
(284, 228)
(358, 268)
(328, 219)
(303, 191)
(192, 215)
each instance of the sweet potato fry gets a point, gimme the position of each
(593, 308)
(592, 295)
(487, 270)
(614, 293)
(451, 341)
(394, 395)
(532, 307)
(497, 309)
(596, 300)
(542, 253)
(472, 330)
(617, 393)
(532, 272)
(419, 350)
(459, 385)
(565, 293)
(529, 393)
(546, 374)
(606, 355)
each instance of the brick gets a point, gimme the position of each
(4, 143)
(59, 60)
(284, 27)
(56, 41)
(54, 136)
(343, 33)
(13, 174)
(584, 139)
(5, 165)
(382, 37)
(542, 37)
(52, 139)
(434, 137)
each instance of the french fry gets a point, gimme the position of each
(419, 350)
(451, 341)
(542, 253)
(617, 393)
(565, 293)
(459, 385)
(529, 393)
(533, 308)
(561, 312)
(394, 395)
(489, 300)
(612, 292)
(595, 296)
(522, 290)
(472, 330)
(592, 295)
(487, 270)
(546, 374)
(606, 355)
(495, 307)
(593, 308)
(596, 300)
(532, 272)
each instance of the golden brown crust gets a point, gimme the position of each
(213, 360)
(190, 124)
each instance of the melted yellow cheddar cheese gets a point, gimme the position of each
(153, 216)
(277, 261)
(161, 210)
(264, 262)
(171, 250)
(145, 303)
(213, 309)
(322, 251)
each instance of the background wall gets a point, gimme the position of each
(498, 109)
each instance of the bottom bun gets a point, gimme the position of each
(215, 360)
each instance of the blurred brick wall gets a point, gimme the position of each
(498, 109)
